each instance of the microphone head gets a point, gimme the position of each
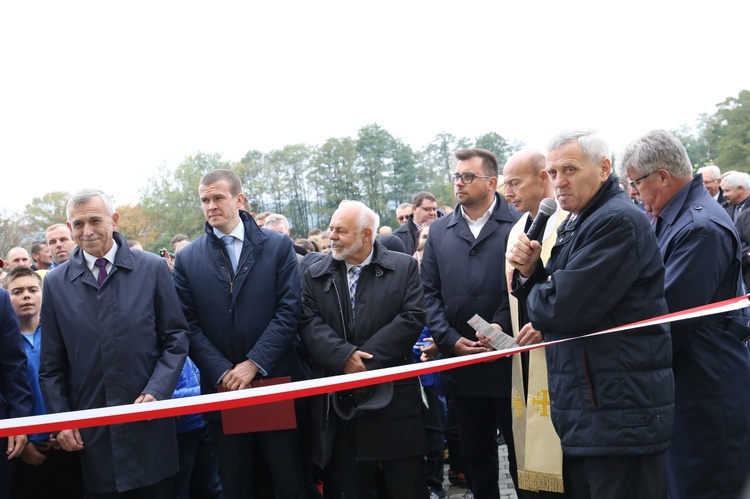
(547, 206)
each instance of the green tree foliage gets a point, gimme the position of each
(499, 146)
(375, 150)
(171, 198)
(695, 144)
(733, 137)
(253, 169)
(436, 162)
(333, 178)
(14, 231)
(291, 193)
(46, 210)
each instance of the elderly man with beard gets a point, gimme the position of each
(363, 309)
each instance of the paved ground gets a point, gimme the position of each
(506, 484)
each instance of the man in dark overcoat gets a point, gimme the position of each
(358, 327)
(710, 453)
(114, 334)
(239, 288)
(464, 274)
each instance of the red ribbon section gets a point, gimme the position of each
(229, 400)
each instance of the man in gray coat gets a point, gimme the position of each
(114, 334)
(363, 310)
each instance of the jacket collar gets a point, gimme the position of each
(123, 260)
(380, 257)
(502, 213)
(607, 191)
(253, 234)
(673, 208)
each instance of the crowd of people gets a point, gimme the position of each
(557, 247)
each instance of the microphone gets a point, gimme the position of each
(546, 208)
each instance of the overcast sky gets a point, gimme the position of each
(99, 94)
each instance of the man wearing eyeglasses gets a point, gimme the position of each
(403, 212)
(463, 274)
(712, 182)
(702, 253)
(424, 211)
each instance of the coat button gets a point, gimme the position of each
(472, 253)
(648, 418)
(473, 297)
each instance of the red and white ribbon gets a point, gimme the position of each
(275, 393)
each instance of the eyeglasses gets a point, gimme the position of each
(634, 183)
(707, 182)
(466, 178)
(402, 217)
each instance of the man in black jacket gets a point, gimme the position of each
(363, 309)
(464, 274)
(424, 212)
(612, 396)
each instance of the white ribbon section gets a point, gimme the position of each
(274, 393)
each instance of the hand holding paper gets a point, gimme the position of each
(496, 338)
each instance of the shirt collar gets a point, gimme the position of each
(484, 217)
(366, 261)
(238, 232)
(109, 256)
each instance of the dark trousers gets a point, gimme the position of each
(58, 476)
(5, 466)
(199, 463)
(615, 477)
(237, 457)
(160, 490)
(479, 419)
(404, 477)
(434, 422)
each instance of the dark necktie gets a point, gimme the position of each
(353, 278)
(656, 225)
(102, 264)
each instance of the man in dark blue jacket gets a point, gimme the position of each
(239, 287)
(463, 272)
(710, 453)
(611, 395)
(113, 334)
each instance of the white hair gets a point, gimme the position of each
(737, 180)
(85, 195)
(366, 217)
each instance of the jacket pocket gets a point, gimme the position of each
(639, 418)
(587, 379)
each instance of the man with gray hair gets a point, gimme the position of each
(114, 334)
(363, 309)
(710, 453)
(737, 197)
(402, 213)
(611, 395)
(712, 182)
